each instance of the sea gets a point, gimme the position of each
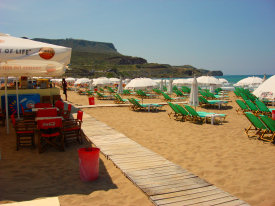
(232, 79)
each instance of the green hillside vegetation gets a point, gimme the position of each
(95, 59)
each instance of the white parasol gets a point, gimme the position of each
(266, 89)
(141, 83)
(194, 97)
(24, 57)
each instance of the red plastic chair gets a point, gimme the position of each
(72, 129)
(24, 132)
(43, 105)
(27, 115)
(50, 134)
(50, 112)
(66, 113)
(60, 105)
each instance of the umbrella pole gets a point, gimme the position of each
(6, 105)
(17, 99)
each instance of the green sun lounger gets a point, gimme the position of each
(269, 133)
(256, 125)
(168, 98)
(110, 90)
(252, 106)
(119, 100)
(138, 106)
(175, 112)
(205, 102)
(104, 97)
(242, 105)
(183, 113)
(263, 108)
(202, 116)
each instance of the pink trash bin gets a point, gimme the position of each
(88, 163)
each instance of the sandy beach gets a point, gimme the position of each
(221, 154)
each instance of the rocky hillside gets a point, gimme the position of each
(94, 59)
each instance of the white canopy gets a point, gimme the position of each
(25, 57)
(208, 80)
(249, 81)
(140, 83)
(101, 81)
(266, 89)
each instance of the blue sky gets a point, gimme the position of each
(235, 36)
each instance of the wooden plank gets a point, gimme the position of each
(182, 193)
(130, 167)
(160, 177)
(140, 160)
(146, 175)
(175, 181)
(188, 197)
(232, 203)
(188, 181)
(217, 199)
(164, 190)
(132, 156)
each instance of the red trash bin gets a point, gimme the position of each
(95, 89)
(91, 100)
(88, 163)
(273, 114)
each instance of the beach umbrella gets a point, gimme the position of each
(141, 83)
(223, 81)
(170, 86)
(101, 81)
(120, 87)
(161, 85)
(194, 97)
(264, 78)
(114, 80)
(208, 80)
(266, 89)
(181, 82)
(82, 81)
(25, 57)
(70, 79)
(249, 81)
(91, 88)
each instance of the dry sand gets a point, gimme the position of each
(220, 154)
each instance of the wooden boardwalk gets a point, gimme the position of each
(164, 182)
(120, 105)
